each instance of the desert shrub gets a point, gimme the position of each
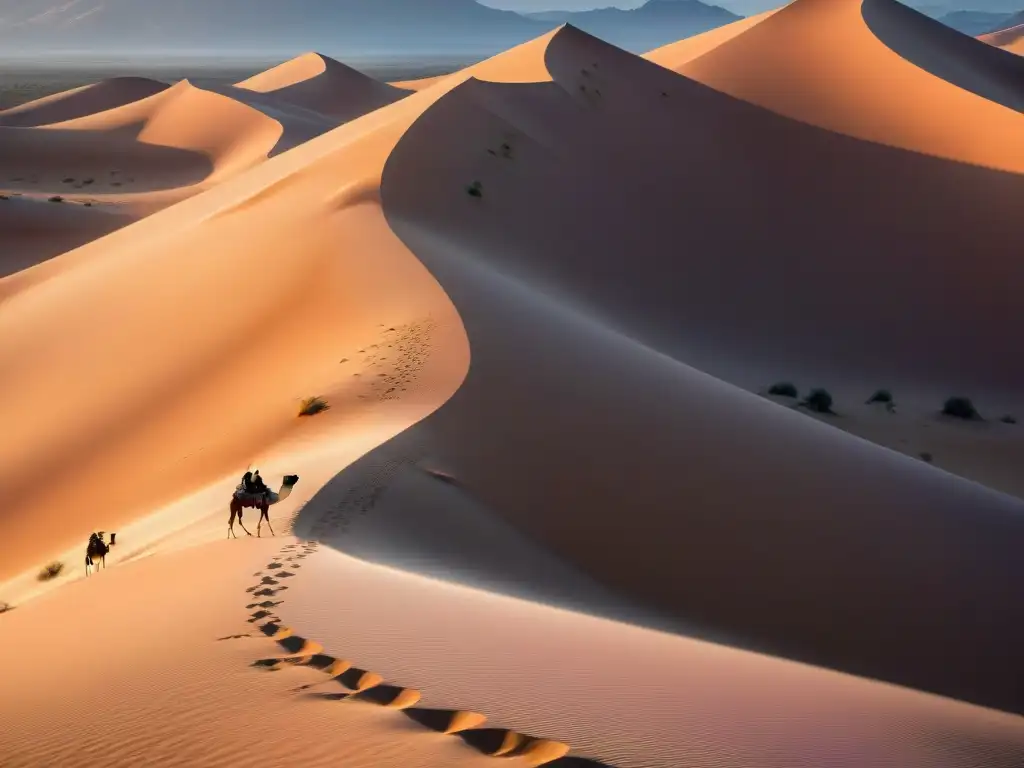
(925, 456)
(819, 401)
(51, 571)
(69, 180)
(783, 389)
(5, 607)
(312, 406)
(1008, 419)
(881, 396)
(475, 189)
(56, 199)
(960, 408)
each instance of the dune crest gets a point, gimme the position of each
(1010, 39)
(850, 66)
(544, 511)
(79, 102)
(323, 85)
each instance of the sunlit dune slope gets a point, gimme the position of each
(1010, 39)
(675, 55)
(799, 557)
(877, 70)
(621, 695)
(79, 102)
(204, 326)
(228, 135)
(164, 676)
(323, 85)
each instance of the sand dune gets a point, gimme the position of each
(1010, 39)
(548, 517)
(848, 66)
(676, 478)
(323, 85)
(79, 102)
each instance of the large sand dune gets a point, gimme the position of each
(323, 85)
(80, 102)
(1010, 39)
(548, 518)
(850, 67)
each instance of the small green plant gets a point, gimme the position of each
(475, 189)
(313, 405)
(881, 396)
(56, 199)
(819, 401)
(51, 571)
(784, 389)
(961, 408)
(1008, 419)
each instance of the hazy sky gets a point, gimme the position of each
(738, 6)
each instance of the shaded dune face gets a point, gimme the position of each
(875, 70)
(325, 86)
(583, 327)
(98, 97)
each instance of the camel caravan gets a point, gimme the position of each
(253, 492)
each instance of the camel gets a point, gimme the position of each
(96, 551)
(261, 501)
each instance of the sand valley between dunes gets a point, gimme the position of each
(590, 473)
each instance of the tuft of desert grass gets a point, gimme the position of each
(51, 571)
(311, 406)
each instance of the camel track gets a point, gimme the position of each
(353, 683)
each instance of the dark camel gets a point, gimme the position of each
(261, 501)
(96, 551)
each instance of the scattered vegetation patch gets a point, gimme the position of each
(311, 406)
(881, 396)
(51, 571)
(961, 408)
(819, 401)
(5, 607)
(56, 199)
(4, 197)
(925, 456)
(1009, 419)
(475, 189)
(69, 180)
(506, 151)
(87, 205)
(784, 389)
(88, 181)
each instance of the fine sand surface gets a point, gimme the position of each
(549, 514)
(131, 146)
(850, 66)
(1010, 39)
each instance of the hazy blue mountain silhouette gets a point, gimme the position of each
(337, 27)
(656, 23)
(976, 22)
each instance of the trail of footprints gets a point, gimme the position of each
(355, 683)
(393, 363)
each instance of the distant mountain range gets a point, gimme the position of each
(653, 24)
(337, 27)
(975, 23)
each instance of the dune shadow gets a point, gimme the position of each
(435, 719)
(959, 59)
